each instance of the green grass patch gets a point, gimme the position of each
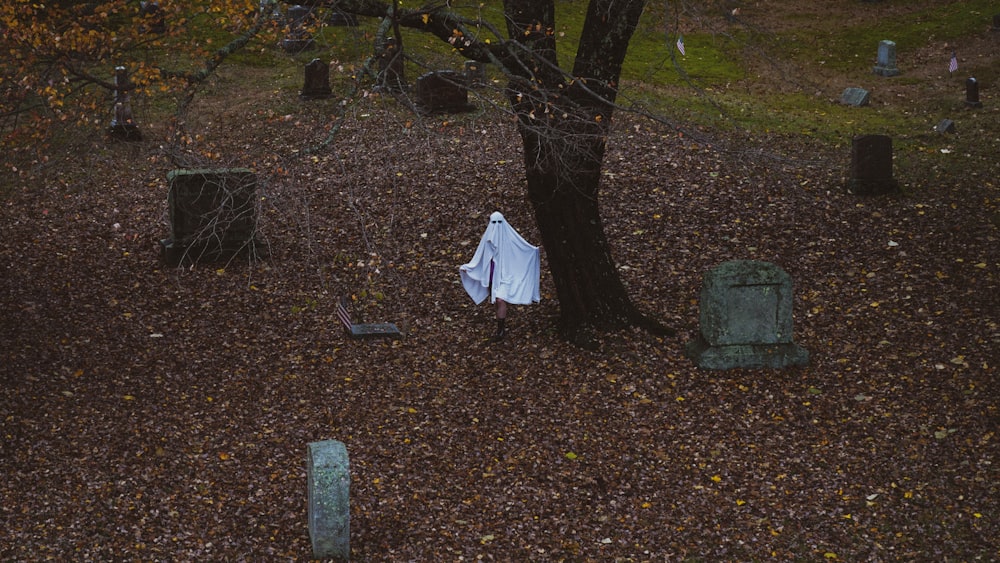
(845, 48)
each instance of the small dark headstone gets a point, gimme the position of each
(475, 74)
(328, 476)
(213, 215)
(341, 19)
(996, 23)
(856, 97)
(871, 166)
(885, 64)
(317, 85)
(442, 91)
(150, 11)
(946, 126)
(270, 8)
(746, 318)
(391, 67)
(123, 125)
(972, 94)
(298, 38)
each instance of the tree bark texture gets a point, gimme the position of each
(564, 122)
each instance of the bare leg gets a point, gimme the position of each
(501, 320)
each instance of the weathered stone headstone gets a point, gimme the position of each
(945, 126)
(996, 23)
(328, 475)
(213, 215)
(317, 84)
(746, 318)
(885, 64)
(442, 91)
(871, 166)
(123, 125)
(391, 67)
(856, 97)
(298, 38)
(475, 74)
(972, 94)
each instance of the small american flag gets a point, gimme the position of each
(953, 64)
(345, 317)
(680, 45)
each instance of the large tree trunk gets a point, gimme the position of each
(564, 123)
(563, 168)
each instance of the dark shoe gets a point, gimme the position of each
(501, 330)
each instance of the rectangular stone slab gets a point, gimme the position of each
(746, 302)
(329, 484)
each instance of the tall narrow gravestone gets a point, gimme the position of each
(871, 166)
(885, 64)
(123, 125)
(972, 94)
(213, 215)
(391, 67)
(329, 485)
(317, 84)
(746, 318)
(442, 91)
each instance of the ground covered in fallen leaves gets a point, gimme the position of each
(155, 413)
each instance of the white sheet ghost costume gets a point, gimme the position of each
(505, 266)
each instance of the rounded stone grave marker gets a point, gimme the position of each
(329, 483)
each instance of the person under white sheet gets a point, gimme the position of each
(505, 268)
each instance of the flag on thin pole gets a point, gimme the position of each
(680, 45)
(953, 64)
(345, 317)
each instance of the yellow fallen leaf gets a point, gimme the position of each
(716, 478)
(129, 398)
(740, 502)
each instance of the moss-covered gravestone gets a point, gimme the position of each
(213, 215)
(746, 318)
(329, 481)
